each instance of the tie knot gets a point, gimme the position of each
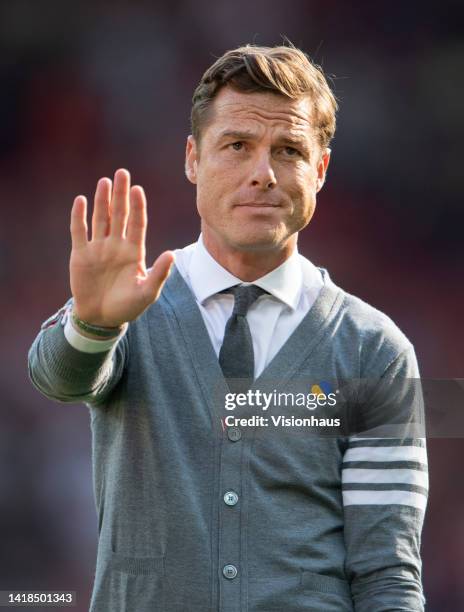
(244, 297)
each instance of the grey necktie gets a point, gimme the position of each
(236, 356)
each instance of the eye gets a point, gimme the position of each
(237, 146)
(291, 151)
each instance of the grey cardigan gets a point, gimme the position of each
(295, 535)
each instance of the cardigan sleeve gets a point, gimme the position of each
(385, 489)
(65, 374)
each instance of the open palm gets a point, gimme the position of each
(109, 279)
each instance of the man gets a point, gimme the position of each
(197, 512)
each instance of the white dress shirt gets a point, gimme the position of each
(292, 289)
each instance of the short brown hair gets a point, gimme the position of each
(284, 70)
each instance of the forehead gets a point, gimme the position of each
(233, 109)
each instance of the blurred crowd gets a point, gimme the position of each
(87, 88)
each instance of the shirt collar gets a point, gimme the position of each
(208, 277)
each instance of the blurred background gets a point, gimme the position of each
(86, 88)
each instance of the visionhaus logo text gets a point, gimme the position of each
(278, 404)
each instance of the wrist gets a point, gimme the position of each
(95, 332)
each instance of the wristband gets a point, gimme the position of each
(96, 330)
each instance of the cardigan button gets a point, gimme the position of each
(234, 434)
(231, 498)
(229, 571)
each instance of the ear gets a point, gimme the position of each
(322, 166)
(191, 160)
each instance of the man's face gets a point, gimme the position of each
(257, 170)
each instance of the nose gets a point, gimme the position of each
(262, 172)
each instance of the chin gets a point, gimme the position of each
(269, 239)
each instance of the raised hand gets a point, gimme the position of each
(109, 280)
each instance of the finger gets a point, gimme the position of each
(79, 222)
(119, 209)
(101, 209)
(158, 274)
(137, 222)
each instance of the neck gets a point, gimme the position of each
(249, 265)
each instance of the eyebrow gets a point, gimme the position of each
(236, 134)
(248, 135)
(295, 142)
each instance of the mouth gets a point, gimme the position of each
(257, 205)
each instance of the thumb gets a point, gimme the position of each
(158, 274)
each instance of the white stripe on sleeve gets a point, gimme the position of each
(386, 453)
(391, 476)
(406, 498)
